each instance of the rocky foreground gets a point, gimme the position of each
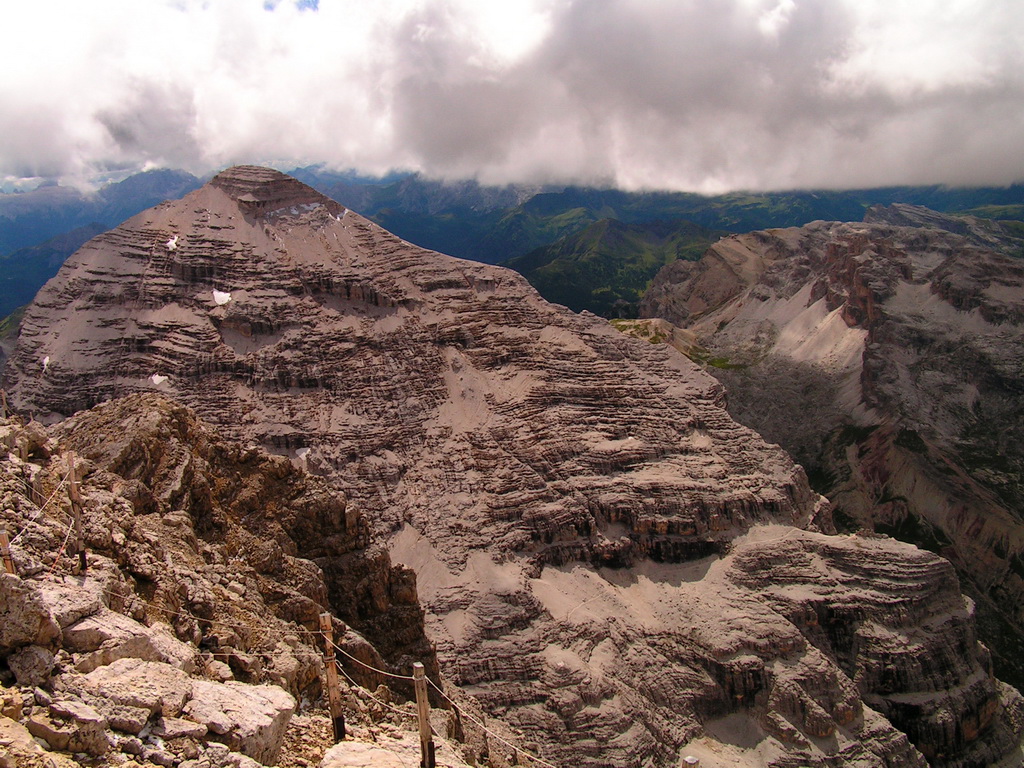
(609, 564)
(190, 639)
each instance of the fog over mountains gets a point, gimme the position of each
(701, 96)
(651, 371)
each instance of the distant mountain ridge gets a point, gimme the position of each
(30, 218)
(41, 228)
(24, 271)
(490, 224)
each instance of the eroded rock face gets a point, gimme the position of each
(136, 655)
(534, 467)
(888, 356)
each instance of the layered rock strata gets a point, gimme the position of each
(888, 356)
(576, 504)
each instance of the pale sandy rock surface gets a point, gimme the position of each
(251, 719)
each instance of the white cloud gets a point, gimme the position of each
(702, 94)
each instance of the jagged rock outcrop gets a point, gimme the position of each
(888, 356)
(192, 623)
(576, 504)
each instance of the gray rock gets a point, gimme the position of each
(72, 602)
(121, 717)
(102, 627)
(159, 757)
(130, 745)
(887, 356)
(235, 760)
(18, 749)
(158, 688)
(12, 703)
(108, 636)
(591, 530)
(219, 671)
(71, 727)
(31, 665)
(41, 697)
(25, 618)
(249, 719)
(362, 755)
(174, 728)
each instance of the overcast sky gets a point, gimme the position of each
(702, 95)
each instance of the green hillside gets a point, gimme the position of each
(606, 267)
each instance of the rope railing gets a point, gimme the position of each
(488, 731)
(41, 507)
(369, 694)
(370, 667)
(56, 560)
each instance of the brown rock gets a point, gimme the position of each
(24, 617)
(250, 719)
(71, 727)
(31, 665)
(886, 356)
(19, 750)
(591, 533)
(158, 688)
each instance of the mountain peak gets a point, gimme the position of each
(259, 189)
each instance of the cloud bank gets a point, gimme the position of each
(702, 95)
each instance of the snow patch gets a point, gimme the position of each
(157, 379)
(295, 210)
(221, 298)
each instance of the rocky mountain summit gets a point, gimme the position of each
(609, 564)
(888, 357)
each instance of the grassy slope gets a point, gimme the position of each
(607, 266)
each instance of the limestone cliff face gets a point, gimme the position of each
(888, 356)
(587, 524)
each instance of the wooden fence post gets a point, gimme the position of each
(76, 511)
(419, 681)
(5, 551)
(333, 692)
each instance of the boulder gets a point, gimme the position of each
(249, 719)
(355, 754)
(71, 727)
(108, 636)
(175, 727)
(19, 750)
(101, 628)
(121, 717)
(70, 602)
(31, 665)
(25, 618)
(158, 688)
(11, 703)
